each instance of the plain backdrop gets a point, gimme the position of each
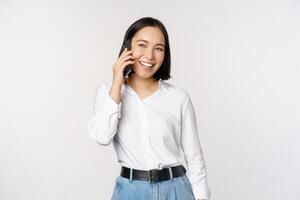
(239, 60)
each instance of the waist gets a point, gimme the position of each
(153, 175)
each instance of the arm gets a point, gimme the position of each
(102, 125)
(193, 152)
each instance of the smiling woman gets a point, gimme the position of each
(151, 123)
(148, 51)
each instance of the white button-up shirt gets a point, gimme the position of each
(151, 133)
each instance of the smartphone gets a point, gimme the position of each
(128, 69)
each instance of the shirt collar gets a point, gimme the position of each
(163, 86)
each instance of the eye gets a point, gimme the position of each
(141, 45)
(160, 49)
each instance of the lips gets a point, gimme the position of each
(145, 64)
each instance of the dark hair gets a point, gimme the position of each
(164, 71)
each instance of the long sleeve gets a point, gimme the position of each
(103, 123)
(193, 152)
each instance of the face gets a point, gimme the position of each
(148, 46)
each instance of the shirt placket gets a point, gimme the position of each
(145, 129)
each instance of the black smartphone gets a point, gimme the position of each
(128, 69)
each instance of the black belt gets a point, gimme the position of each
(153, 175)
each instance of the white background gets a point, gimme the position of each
(239, 60)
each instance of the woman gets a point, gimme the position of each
(151, 123)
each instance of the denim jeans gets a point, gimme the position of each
(178, 188)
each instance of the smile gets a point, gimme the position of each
(148, 65)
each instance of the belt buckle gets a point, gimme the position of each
(153, 175)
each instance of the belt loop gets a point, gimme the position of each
(149, 176)
(130, 175)
(170, 172)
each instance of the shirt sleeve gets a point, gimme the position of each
(103, 123)
(193, 152)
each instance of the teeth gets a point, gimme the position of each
(146, 64)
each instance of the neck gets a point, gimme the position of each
(139, 83)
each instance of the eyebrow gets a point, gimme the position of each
(148, 42)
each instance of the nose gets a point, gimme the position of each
(149, 54)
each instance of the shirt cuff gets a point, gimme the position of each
(201, 192)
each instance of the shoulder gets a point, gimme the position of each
(176, 90)
(105, 85)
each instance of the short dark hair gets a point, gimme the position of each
(164, 71)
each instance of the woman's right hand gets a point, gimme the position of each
(125, 59)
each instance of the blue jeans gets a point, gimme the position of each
(178, 188)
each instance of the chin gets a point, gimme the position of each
(144, 75)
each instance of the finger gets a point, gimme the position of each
(129, 57)
(125, 58)
(125, 53)
(127, 63)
